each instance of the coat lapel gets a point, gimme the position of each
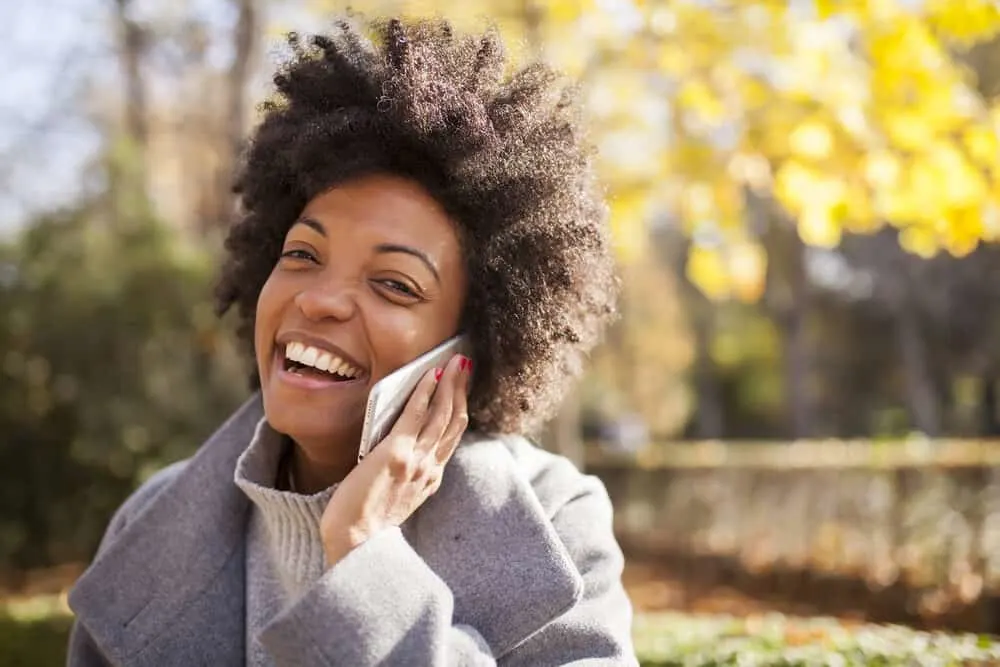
(171, 584)
(487, 536)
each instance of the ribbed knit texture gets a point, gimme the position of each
(284, 550)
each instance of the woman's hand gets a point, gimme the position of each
(403, 470)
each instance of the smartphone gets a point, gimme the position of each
(389, 395)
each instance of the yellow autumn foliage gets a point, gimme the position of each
(851, 114)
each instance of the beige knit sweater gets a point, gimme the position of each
(284, 555)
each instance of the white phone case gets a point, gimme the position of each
(389, 395)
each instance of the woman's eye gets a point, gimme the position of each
(299, 254)
(399, 287)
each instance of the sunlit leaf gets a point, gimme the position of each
(812, 139)
(882, 169)
(748, 271)
(696, 96)
(982, 143)
(706, 269)
(818, 227)
(920, 241)
(628, 225)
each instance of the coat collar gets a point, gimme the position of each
(174, 576)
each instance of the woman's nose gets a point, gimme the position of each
(318, 304)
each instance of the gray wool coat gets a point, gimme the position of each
(512, 562)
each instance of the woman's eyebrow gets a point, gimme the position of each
(317, 227)
(312, 224)
(407, 250)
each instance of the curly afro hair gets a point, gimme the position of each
(504, 155)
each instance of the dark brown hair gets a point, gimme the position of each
(505, 156)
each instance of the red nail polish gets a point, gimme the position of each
(437, 373)
(466, 364)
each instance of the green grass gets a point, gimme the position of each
(678, 640)
(34, 633)
(34, 643)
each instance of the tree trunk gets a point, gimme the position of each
(244, 47)
(789, 302)
(127, 190)
(989, 424)
(709, 411)
(132, 45)
(797, 355)
(219, 208)
(921, 393)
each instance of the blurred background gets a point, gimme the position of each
(797, 412)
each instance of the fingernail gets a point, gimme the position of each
(437, 373)
(466, 364)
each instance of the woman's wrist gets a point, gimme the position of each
(340, 541)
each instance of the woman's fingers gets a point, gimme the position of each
(431, 425)
(412, 419)
(441, 408)
(435, 460)
(459, 415)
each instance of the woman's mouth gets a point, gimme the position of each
(310, 366)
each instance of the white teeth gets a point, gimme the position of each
(344, 369)
(323, 363)
(308, 355)
(341, 367)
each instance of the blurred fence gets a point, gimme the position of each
(899, 531)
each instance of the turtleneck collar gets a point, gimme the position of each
(291, 519)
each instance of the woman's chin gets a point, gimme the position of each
(314, 412)
(312, 427)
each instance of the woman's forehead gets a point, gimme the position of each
(376, 196)
(382, 209)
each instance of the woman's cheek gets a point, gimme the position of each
(265, 324)
(395, 335)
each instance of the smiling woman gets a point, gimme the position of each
(399, 192)
(371, 273)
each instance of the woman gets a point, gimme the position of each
(398, 191)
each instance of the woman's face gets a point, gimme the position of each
(370, 276)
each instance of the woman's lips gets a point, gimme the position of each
(310, 382)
